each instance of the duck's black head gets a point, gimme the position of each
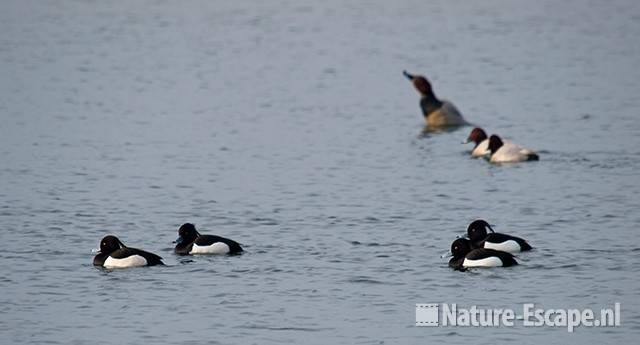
(110, 244)
(187, 233)
(495, 143)
(477, 230)
(460, 248)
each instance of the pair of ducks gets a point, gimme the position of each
(482, 249)
(441, 113)
(497, 150)
(114, 254)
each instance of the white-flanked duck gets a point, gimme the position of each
(477, 232)
(464, 256)
(508, 152)
(114, 254)
(191, 242)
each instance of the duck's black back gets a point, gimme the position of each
(152, 259)
(495, 237)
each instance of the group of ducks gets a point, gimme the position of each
(480, 249)
(441, 113)
(483, 249)
(114, 254)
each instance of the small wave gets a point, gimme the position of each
(367, 280)
(265, 221)
(376, 244)
(291, 328)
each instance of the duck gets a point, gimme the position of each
(114, 254)
(436, 112)
(507, 152)
(480, 138)
(464, 256)
(477, 233)
(190, 242)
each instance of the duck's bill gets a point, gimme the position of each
(446, 255)
(466, 141)
(178, 240)
(95, 251)
(406, 74)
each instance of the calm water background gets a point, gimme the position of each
(288, 126)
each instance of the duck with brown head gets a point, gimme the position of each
(479, 137)
(436, 112)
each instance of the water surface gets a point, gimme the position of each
(288, 127)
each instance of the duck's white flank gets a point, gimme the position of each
(492, 261)
(509, 246)
(131, 261)
(510, 153)
(216, 248)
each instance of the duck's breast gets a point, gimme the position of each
(447, 115)
(481, 150)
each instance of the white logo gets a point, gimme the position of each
(452, 315)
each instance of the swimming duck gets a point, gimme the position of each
(191, 242)
(479, 137)
(437, 113)
(114, 254)
(477, 232)
(508, 152)
(465, 257)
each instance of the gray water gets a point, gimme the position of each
(287, 126)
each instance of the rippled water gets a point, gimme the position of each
(288, 126)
